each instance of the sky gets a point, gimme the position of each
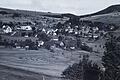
(78, 7)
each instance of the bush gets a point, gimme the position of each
(86, 48)
(43, 36)
(32, 45)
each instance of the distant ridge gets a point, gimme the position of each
(49, 14)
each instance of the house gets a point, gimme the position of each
(112, 27)
(25, 28)
(70, 30)
(85, 29)
(76, 26)
(66, 30)
(62, 44)
(43, 30)
(75, 31)
(40, 43)
(72, 48)
(7, 29)
(55, 38)
(49, 31)
(95, 29)
(95, 36)
(54, 34)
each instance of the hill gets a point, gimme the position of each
(35, 13)
(48, 19)
(110, 9)
(110, 15)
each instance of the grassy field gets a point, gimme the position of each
(43, 61)
(9, 73)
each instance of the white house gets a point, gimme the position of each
(25, 28)
(7, 29)
(71, 30)
(62, 44)
(40, 43)
(95, 29)
(95, 36)
(43, 30)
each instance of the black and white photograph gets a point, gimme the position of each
(59, 39)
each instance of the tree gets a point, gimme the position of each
(79, 43)
(1, 24)
(23, 34)
(32, 45)
(59, 26)
(60, 38)
(111, 59)
(43, 36)
(3, 12)
(84, 70)
(0, 37)
(5, 43)
(16, 15)
(86, 48)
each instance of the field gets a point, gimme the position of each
(9, 73)
(43, 61)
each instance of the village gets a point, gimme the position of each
(50, 34)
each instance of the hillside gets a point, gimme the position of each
(24, 17)
(110, 9)
(110, 15)
(35, 13)
(111, 18)
(26, 12)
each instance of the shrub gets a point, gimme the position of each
(86, 48)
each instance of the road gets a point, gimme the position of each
(8, 73)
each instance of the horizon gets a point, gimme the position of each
(77, 7)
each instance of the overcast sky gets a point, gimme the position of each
(78, 7)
